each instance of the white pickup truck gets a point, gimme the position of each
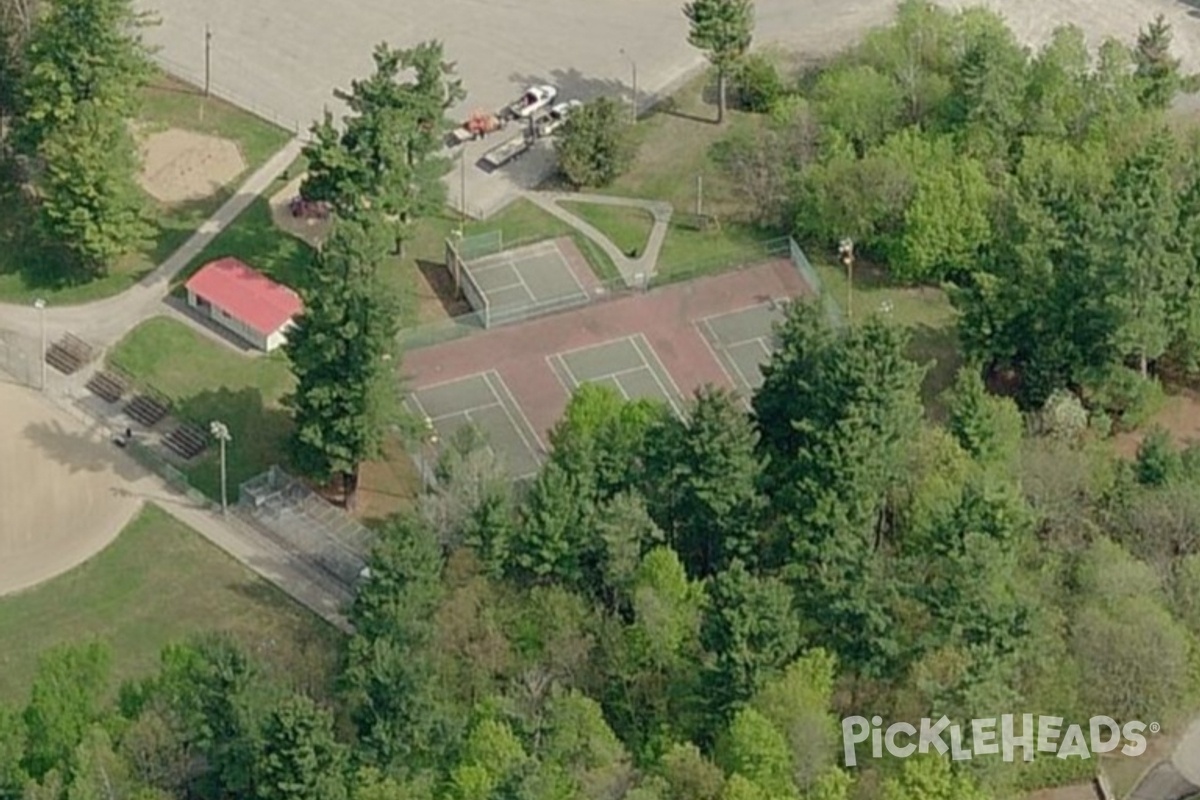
(556, 117)
(532, 101)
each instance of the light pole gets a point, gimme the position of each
(633, 64)
(846, 253)
(207, 60)
(430, 438)
(40, 305)
(221, 431)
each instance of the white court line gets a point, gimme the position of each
(528, 292)
(596, 346)
(717, 358)
(741, 375)
(565, 264)
(666, 393)
(551, 360)
(567, 368)
(532, 451)
(708, 321)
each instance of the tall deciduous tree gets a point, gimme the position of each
(341, 354)
(64, 704)
(723, 29)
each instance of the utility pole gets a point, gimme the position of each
(846, 253)
(221, 431)
(40, 305)
(699, 195)
(462, 193)
(207, 60)
(633, 64)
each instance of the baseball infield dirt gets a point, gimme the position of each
(61, 498)
(179, 165)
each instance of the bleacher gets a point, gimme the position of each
(187, 441)
(147, 410)
(69, 354)
(108, 385)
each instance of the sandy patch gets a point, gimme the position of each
(61, 497)
(312, 230)
(179, 165)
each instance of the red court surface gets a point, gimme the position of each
(667, 319)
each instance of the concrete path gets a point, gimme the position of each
(636, 271)
(105, 321)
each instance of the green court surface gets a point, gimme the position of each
(628, 365)
(743, 341)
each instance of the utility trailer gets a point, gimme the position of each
(508, 151)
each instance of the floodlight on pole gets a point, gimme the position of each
(846, 253)
(40, 305)
(220, 431)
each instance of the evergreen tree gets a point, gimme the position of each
(723, 29)
(1157, 70)
(341, 354)
(298, 757)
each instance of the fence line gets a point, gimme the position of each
(222, 92)
(465, 282)
(833, 312)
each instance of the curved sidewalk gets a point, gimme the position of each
(105, 321)
(635, 271)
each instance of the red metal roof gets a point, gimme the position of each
(246, 294)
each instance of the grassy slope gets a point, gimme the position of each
(160, 582)
(628, 228)
(674, 164)
(28, 271)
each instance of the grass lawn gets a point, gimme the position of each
(628, 228)
(29, 268)
(925, 311)
(158, 583)
(674, 164)
(207, 380)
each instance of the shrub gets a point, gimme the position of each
(594, 146)
(1123, 393)
(758, 85)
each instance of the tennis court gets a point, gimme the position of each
(484, 401)
(743, 341)
(517, 284)
(629, 365)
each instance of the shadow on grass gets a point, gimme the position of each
(255, 239)
(259, 436)
(937, 348)
(442, 284)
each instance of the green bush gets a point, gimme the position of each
(757, 84)
(594, 146)
(1124, 394)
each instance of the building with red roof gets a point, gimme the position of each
(245, 302)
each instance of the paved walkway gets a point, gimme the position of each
(635, 271)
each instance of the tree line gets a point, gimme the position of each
(683, 609)
(1048, 190)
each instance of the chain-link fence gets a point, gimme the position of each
(833, 312)
(20, 359)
